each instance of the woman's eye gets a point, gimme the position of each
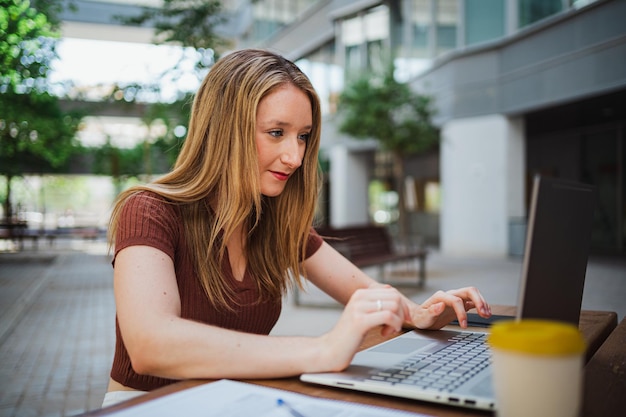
(305, 137)
(276, 133)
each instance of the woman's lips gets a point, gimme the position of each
(281, 176)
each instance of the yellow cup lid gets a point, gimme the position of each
(540, 337)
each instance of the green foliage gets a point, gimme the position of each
(149, 157)
(118, 162)
(188, 23)
(174, 116)
(34, 131)
(26, 47)
(33, 127)
(381, 108)
(185, 22)
(389, 111)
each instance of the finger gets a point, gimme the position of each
(380, 308)
(437, 308)
(458, 306)
(461, 316)
(478, 302)
(428, 317)
(391, 313)
(393, 307)
(473, 296)
(384, 305)
(392, 323)
(389, 331)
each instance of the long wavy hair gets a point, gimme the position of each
(215, 180)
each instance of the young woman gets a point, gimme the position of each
(204, 254)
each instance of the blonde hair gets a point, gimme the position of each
(221, 139)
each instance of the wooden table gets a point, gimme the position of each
(605, 377)
(595, 326)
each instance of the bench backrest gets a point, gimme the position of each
(359, 242)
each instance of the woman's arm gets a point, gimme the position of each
(338, 277)
(163, 344)
(332, 273)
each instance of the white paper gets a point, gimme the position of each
(226, 398)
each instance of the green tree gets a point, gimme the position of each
(119, 163)
(162, 153)
(34, 131)
(189, 24)
(384, 109)
(158, 151)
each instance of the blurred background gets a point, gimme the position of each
(437, 114)
(95, 96)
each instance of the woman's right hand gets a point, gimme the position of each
(366, 309)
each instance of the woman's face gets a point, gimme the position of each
(283, 125)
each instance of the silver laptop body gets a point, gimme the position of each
(381, 369)
(453, 367)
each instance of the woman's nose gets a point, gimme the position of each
(292, 154)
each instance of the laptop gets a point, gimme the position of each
(561, 215)
(453, 367)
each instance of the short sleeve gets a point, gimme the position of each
(148, 219)
(313, 243)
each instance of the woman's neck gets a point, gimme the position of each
(236, 245)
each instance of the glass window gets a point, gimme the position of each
(416, 49)
(364, 38)
(353, 60)
(421, 22)
(447, 21)
(325, 75)
(432, 197)
(383, 202)
(383, 199)
(484, 20)
(376, 57)
(376, 23)
(352, 31)
(270, 16)
(531, 11)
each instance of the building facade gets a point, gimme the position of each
(522, 87)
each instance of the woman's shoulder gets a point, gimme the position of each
(149, 201)
(147, 197)
(147, 218)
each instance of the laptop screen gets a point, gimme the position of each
(557, 248)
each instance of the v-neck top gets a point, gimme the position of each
(148, 219)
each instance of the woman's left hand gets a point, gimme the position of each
(443, 307)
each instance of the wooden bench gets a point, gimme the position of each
(371, 245)
(15, 232)
(51, 235)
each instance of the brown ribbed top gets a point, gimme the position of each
(147, 219)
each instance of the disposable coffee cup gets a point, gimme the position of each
(537, 368)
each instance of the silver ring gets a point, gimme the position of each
(379, 305)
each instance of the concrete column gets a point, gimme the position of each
(482, 178)
(348, 178)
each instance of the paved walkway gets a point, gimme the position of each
(57, 318)
(56, 332)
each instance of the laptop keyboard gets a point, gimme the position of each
(443, 370)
